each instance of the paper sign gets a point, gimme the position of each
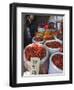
(35, 64)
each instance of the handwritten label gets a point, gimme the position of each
(35, 64)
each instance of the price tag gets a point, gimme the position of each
(35, 64)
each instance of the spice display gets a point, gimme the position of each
(44, 39)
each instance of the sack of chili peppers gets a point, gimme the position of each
(35, 57)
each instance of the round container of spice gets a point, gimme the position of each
(56, 63)
(36, 50)
(53, 45)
